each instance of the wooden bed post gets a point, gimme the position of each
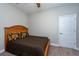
(47, 49)
(5, 37)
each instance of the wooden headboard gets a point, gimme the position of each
(15, 28)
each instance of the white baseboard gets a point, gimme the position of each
(52, 44)
(1, 51)
(76, 48)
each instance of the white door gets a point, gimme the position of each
(67, 31)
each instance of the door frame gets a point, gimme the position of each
(75, 29)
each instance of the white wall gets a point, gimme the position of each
(46, 23)
(9, 15)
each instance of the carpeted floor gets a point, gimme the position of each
(54, 51)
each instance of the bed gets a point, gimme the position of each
(24, 44)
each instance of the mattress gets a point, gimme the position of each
(32, 45)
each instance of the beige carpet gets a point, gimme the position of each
(54, 51)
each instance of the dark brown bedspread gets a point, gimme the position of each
(33, 45)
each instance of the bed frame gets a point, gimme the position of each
(19, 28)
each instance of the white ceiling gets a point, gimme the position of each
(32, 7)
